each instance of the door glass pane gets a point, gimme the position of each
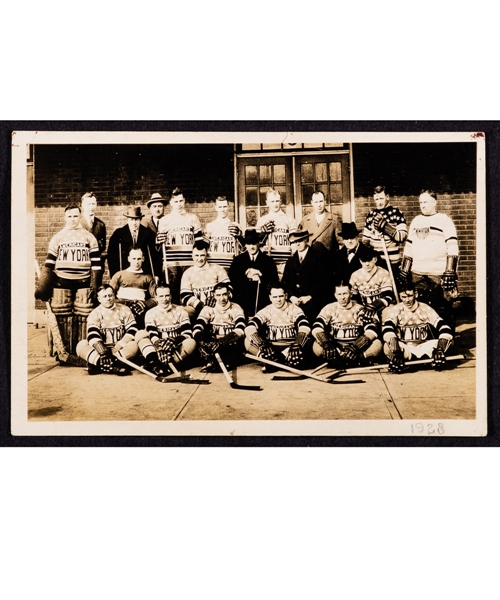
(321, 172)
(335, 172)
(262, 195)
(252, 217)
(279, 174)
(336, 193)
(251, 196)
(306, 173)
(265, 174)
(307, 192)
(323, 187)
(282, 190)
(251, 175)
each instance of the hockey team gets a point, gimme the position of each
(288, 294)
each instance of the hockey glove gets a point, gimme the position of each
(205, 351)
(210, 301)
(137, 307)
(397, 362)
(368, 315)
(449, 278)
(164, 348)
(329, 351)
(362, 343)
(438, 354)
(405, 271)
(268, 227)
(348, 353)
(379, 221)
(45, 284)
(234, 229)
(105, 357)
(295, 355)
(230, 338)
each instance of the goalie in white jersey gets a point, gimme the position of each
(343, 335)
(413, 329)
(220, 328)
(222, 235)
(280, 331)
(276, 225)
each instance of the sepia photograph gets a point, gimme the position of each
(249, 283)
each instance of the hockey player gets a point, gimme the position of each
(93, 224)
(280, 331)
(277, 225)
(431, 256)
(169, 328)
(111, 328)
(198, 282)
(222, 235)
(343, 336)
(371, 285)
(134, 288)
(413, 329)
(177, 232)
(220, 329)
(385, 223)
(71, 276)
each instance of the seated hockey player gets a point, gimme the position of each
(198, 282)
(343, 335)
(111, 328)
(133, 287)
(413, 329)
(169, 329)
(220, 329)
(280, 331)
(371, 285)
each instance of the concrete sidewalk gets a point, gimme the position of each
(58, 393)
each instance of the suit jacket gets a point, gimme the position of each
(343, 268)
(98, 230)
(322, 235)
(120, 244)
(308, 278)
(245, 291)
(148, 222)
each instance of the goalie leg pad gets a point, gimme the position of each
(62, 302)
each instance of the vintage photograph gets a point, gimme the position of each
(256, 283)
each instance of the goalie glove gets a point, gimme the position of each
(45, 284)
(405, 271)
(438, 354)
(449, 277)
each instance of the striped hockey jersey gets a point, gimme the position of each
(277, 243)
(373, 237)
(431, 239)
(218, 321)
(344, 324)
(375, 285)
(223, 246)
(414, 325)
(73, 253)
(197, 285)
(110, 325)
(179, 232)
(167, 324)
(280, 325)
(131, 285)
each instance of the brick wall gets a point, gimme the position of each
(462, 210)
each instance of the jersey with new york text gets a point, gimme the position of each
(277, 243)
(218, 321)
(414, 325)
(344, 324)
(372, 286)
(109, 325)
(197, 284)
(178, 231)
(223, 245)
(73, 253)
(168, 323)
(281, 325)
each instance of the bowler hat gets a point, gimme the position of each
(298, 236)
(349, 231)
(366, 253)
(156, 197)
(133, 212)
(251, 236)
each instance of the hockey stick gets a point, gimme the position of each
(62, 354)
(257, 296)
(409, 363)
(151, 263)
(160, 378)
(165, 264)
(235, 386)
(389, 267)
(297, 377)
(187, 378)
(297, 371)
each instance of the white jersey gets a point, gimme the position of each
(281, 324)
(167, 323)
(223, 246)
(197, 284)
(431, 239)
(277, 243)
(221, 321)
(73, 253)
(181, 229)
(109, 325)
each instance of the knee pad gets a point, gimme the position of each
(83, 305)
(187, 346)
(62, 302)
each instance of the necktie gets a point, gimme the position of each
(135, 238)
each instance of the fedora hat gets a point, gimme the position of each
(251, 236)
(349, 231)
(156, 197)
(298, 236)
(133, 212)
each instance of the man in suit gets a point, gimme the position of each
(321, 225)
(156, 207)
(133, 235)
(304, 275)
(91, 223)
(250, 273)
(347, 260)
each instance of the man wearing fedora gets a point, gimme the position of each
(156, 207)
(250, 273)
(321, 225)
(305, 275)
(347, 260)
(133, 235)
